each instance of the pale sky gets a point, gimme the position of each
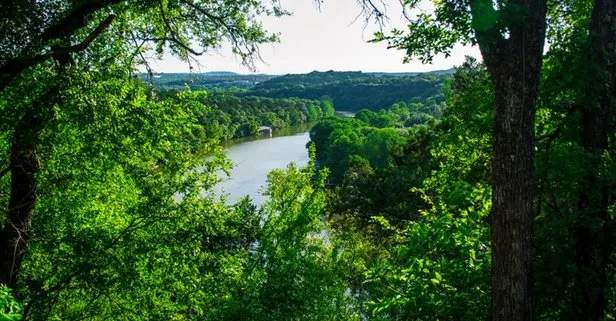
(322, 40)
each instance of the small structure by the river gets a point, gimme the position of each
(264, 130)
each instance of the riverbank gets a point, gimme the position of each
(285, 131)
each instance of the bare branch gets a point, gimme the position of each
(373, 10)
(175, 41)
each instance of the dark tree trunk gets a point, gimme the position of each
(512, 197)
(23, 168)
(594, 246)
(514, 62)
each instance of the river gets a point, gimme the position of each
(254, 157)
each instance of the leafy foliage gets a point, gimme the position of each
(10, 310)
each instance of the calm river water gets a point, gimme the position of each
(254, 157)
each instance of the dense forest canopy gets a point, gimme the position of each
(486, 194)
(352, 91)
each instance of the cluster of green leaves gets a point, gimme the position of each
(301, 268)
(10, 309)
(112, 161)
(441, 268)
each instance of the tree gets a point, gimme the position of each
(577, 96)
(510, 36)
(52, 40)
(301, 267)
(595, 227)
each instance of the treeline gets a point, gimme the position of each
(401, 114)
(349, 91)
(197, 81)
(352, 91)
(227, 116)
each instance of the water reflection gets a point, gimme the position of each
(254, 157)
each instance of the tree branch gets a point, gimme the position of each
(173, 38)
(102, 26)
(75, 20)
(203, 11)
(175, 41)
(67, 26)
(245, 50)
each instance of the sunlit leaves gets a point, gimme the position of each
(10, 309)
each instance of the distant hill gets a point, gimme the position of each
(356, 90)
(208, 80)
(450, 71)
(220, 74)
(349, 90)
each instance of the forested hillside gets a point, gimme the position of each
(234, 111)
(352, 91)
(349, 91)
(207, 80)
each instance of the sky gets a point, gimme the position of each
(325, 39)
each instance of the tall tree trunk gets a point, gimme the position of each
(24, 166)
(512, 197)
(593, 245)
(514, 61)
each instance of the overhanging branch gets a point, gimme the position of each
(173, 37)
(67, 26)
(102, 26)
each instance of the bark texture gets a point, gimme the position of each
(513, 58)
